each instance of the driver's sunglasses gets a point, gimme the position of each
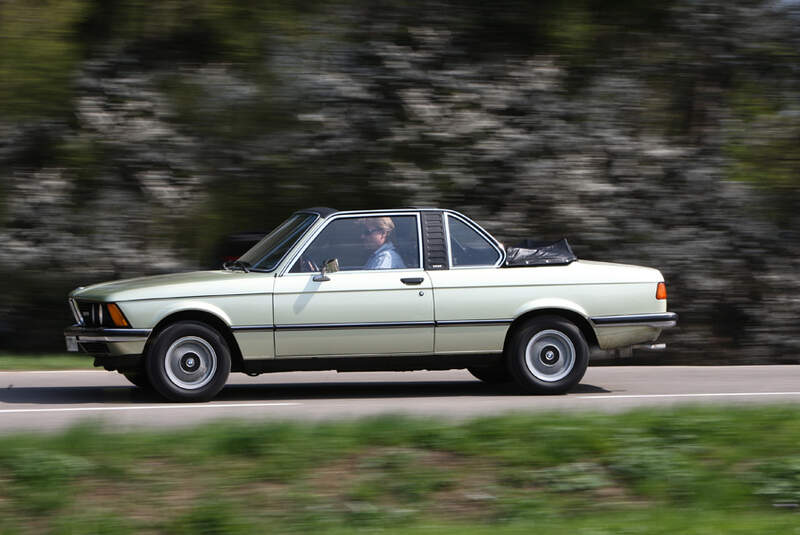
(367, 232)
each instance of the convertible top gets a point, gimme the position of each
(537, 253)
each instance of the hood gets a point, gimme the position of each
(195, 283)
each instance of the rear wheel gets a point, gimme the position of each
(548, 355)
(189, 361)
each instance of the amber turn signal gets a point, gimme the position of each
(661, 291)
(116, 315)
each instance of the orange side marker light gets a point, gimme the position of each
(661, 291)
(116, 315)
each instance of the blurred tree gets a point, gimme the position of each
(39, 51)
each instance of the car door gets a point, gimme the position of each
(379, 302)
(472, 313)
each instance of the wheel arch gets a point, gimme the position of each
(580, 321)
(201, 316)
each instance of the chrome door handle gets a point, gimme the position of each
(412, 280)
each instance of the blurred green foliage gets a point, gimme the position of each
(44, 362)
(173, 124)
(688, 470)
(39, 52)
(44, 42)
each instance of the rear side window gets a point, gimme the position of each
(468, 247)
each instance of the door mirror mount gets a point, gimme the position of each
(330, 266)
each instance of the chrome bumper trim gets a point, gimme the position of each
(659, 321)
(84, 334)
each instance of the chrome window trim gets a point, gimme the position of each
(477, 228)
(355, 214)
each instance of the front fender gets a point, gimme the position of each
(193, 305)
(148, 314)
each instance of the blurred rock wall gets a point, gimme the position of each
(665, 136)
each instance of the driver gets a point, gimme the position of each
(375, 235)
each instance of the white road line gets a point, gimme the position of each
(4, 372)
(718, 394)
(149, 407)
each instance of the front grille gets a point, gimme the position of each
(93, 314)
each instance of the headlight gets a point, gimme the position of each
(93, 314)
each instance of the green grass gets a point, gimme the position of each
(687, 470)
(9, 362)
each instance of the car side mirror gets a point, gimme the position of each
(330, 266)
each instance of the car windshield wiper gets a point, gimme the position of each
(244, 266)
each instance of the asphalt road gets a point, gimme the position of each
(54, 400)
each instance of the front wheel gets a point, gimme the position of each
(548, 355)
(189, 361)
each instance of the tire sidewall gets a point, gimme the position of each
(155, 365)
(518, 367)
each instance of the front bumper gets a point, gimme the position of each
(103, 341)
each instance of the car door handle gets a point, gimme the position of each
(412, 280)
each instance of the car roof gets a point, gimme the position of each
(325, 212)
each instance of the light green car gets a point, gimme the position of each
(371, 290)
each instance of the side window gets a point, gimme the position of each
(468, 247)
(358, 243)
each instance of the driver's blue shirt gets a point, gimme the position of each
(385, 257)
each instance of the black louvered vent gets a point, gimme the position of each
(435, 247)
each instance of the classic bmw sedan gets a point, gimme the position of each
(366, 291)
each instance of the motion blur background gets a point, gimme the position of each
(134, 136)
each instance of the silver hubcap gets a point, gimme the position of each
(550, 355)
(190, 362)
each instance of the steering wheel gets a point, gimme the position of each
(307, 265)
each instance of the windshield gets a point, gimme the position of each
(265, 255)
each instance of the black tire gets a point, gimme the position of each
(547, 355)
(138, 378)
(495, 374)
(188, 361)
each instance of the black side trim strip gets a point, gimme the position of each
(634, 319)
(370, 325)
(447, 323)
(384, 325)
